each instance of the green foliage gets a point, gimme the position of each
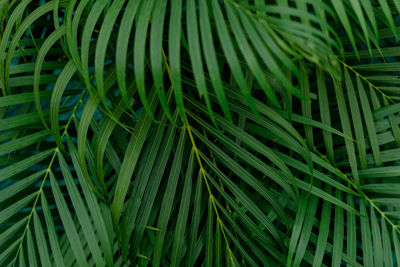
(199, 133)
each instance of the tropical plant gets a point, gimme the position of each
(211, 132)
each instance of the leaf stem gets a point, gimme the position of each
(362, 194)
(211, 196)
(365, 79)
(195, 150)
(48, 170)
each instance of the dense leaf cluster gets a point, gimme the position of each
(199, 133)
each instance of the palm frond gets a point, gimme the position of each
(222, 133)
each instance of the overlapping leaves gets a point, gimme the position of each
(199, 132)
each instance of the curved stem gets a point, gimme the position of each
(365, 80)
(46, 175)
(362, 194)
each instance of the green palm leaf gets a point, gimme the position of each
(199, 133)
